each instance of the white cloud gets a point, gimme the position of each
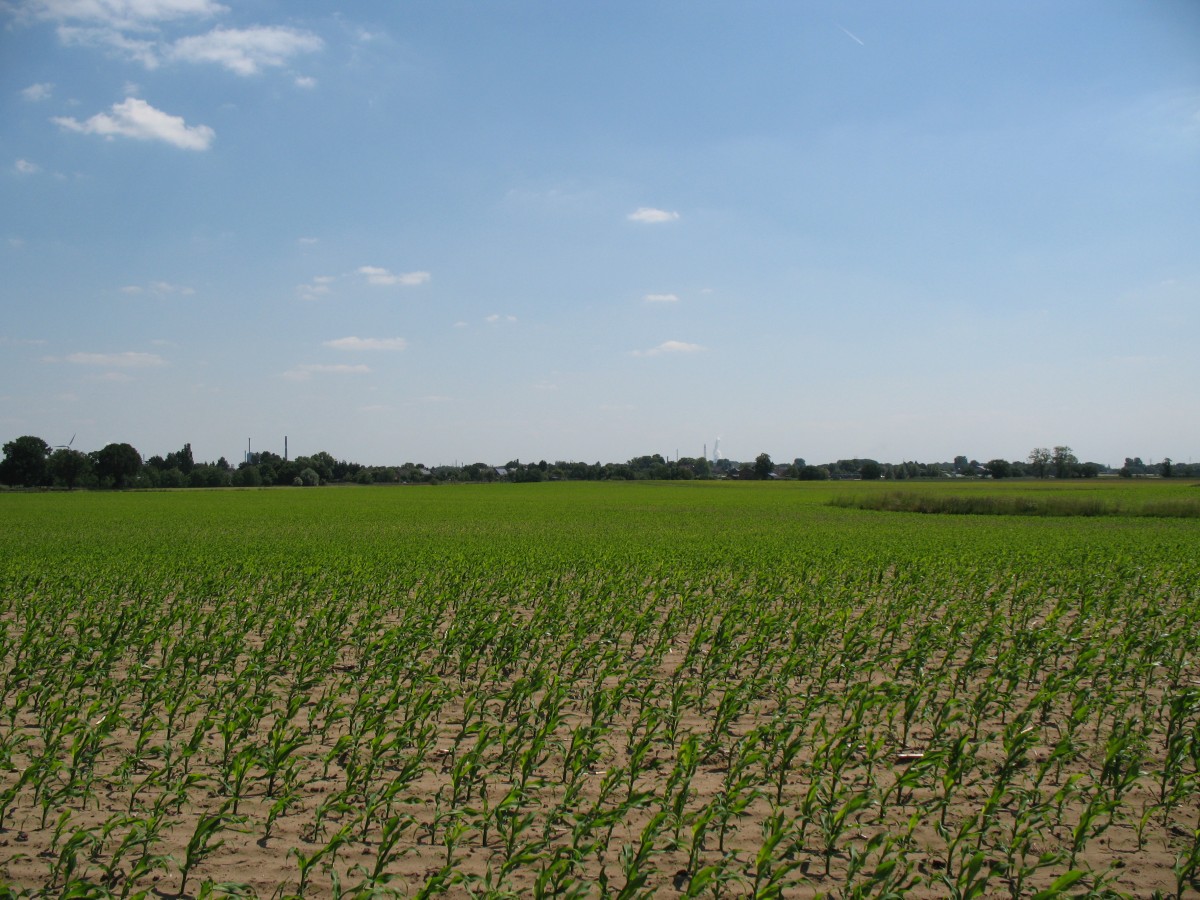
(661, 298)
(495, 318)
(304, 81)
(357, 343)
(307, 241)
(25, 167)
(165, 287)
(316, 289)
(24, 342)
(128, 360)
(139, 50)
(121, 13)
(162, 288)
(137, 119)
(384, 278)
(246, 51)
(651, 216)
(113, 377)
(303, 373)
(36, 92)
(670, 347)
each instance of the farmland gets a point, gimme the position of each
(689, 689)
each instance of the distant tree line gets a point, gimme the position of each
(30, 462)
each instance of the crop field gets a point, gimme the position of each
(593, 690)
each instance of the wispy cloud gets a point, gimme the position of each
(138, 49)
(127, 360)
(661, 298)
(21, 342)
(25, 167)
(130, 14)
(852, 36)
(316, 289)
(651, 216)
(38, 92)
(1163, 121)
(129, 28)
(496, 318)
(165, 287)
(357, 343)
(384, 278)
(159, 288)
(246, 51)
(304, 373)
(305, 81)
(110, 377)
(135, 118)
(670, 347)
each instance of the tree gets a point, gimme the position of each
(25, 462)
(181, 460)
(1133, 467)
(870, 471)
(998, 468)
(247, 476)
(1064, 462)
(320, 462)
(763, 467)
(69, 466)
(1165, 467)
(1039, 461)
(118, 462)
(170, 478)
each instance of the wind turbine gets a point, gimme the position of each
(67, 445)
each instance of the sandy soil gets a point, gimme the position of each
(490, 784)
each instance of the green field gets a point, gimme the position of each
(594, 689)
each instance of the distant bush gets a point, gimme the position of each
(1015, 505)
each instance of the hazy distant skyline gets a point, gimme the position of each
(487, 231)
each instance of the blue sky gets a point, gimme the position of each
(483, 231)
